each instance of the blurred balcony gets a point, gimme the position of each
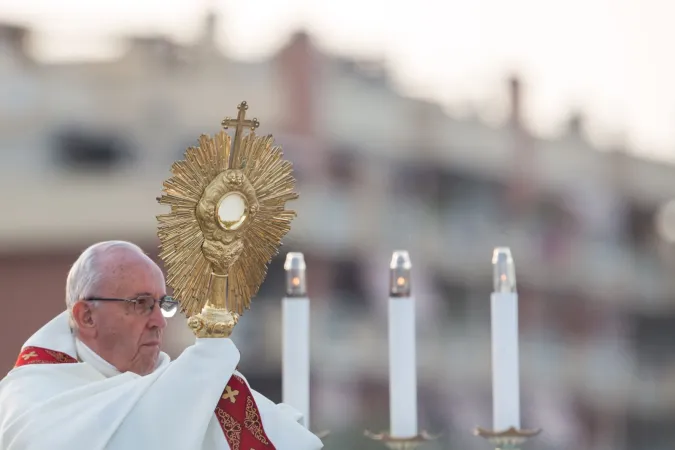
(463, 246)
(48, 212)
(602, 371)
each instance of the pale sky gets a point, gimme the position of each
(611, 59)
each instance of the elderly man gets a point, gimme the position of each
(94, 377)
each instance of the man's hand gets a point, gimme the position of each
(222, 256)
(213, 323)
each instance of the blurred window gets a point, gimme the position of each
(654, 339)
(91, 151)
(455, 296)
(274, 285)
(640, 224)
(342, 165)
(348, 285)
(418, 181)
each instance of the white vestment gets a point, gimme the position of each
(91, 406)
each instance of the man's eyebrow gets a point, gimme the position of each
(143, 294)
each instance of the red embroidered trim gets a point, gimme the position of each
(236, 411)
(239, 417)
(39, 355)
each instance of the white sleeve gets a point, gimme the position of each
(176, 411)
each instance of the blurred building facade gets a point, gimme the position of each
(86, 145)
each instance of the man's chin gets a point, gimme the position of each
(149, 363)
(144, 369)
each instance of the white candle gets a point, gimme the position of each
(505, 370)
(295, 339)
(402, 359)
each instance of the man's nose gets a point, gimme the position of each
(157, 319)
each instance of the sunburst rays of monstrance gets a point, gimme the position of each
(226, 223)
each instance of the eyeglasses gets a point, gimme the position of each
(145, 304)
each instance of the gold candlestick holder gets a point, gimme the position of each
(397, 443)
(510, 439)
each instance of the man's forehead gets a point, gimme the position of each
(122, 256)
(121, 261)
(135, 277)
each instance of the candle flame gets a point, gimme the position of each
(295, 281)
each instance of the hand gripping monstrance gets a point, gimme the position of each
(226, 223)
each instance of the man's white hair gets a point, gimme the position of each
(85, 274)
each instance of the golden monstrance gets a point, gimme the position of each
(226, 223)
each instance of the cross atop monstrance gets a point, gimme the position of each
(239, 124)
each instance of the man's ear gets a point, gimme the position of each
(82, 315)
